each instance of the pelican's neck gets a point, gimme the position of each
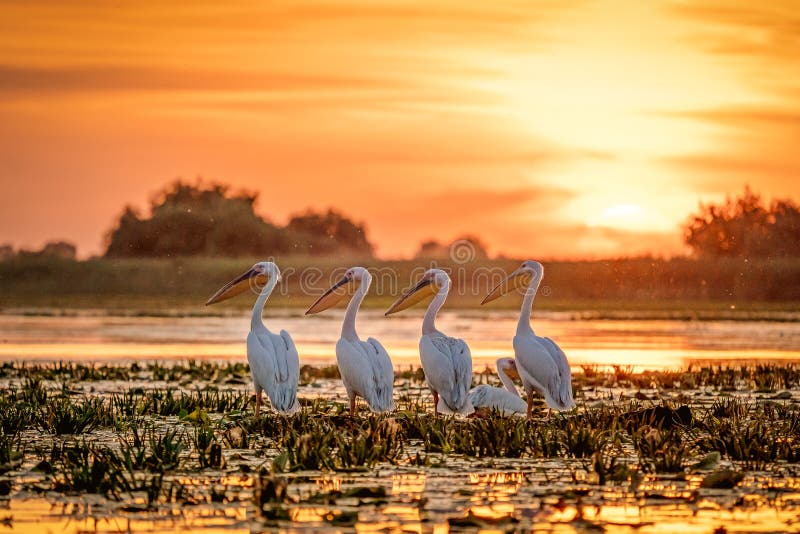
(507, 382)
(256, 322)
(524, 324)
(349, 324)
(428, 324)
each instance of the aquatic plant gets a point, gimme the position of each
(11, 455)
(15, 416)
(89, 469)
(660, 451)
(206, 446)
(582, 440)
(308, 451)
(61, 415)
(378, 439)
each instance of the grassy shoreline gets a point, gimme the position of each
(630, 288)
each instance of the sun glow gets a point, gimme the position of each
(627, 216)
(622, 211)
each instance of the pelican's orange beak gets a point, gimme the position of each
(424, 289)
(517, 279)
(240, 284)
(331, 297)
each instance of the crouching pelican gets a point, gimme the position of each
(364, 365)
(273, 358)
(506, 399)
(446, 360)
(541, 363)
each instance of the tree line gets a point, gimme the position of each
(197, 219)
(745, 226)
(209, 220)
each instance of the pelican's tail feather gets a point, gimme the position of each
(382, 401)
(466, 407)
(284, 400)
(558, 395)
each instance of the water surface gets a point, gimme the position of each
(643, 344)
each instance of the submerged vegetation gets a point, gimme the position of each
(165, 436)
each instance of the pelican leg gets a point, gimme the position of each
(530, 405)
(258, 402)
(352, 405)
(435, 403)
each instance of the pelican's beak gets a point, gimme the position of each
(517, 279)
(510, 368)
(238, 285)
(331, 297)
(423, 289)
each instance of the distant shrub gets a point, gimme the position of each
(744, 227)
(326, 233)
(196, 219)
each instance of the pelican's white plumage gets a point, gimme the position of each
(507, 399)
(446, 360)
(273, 359)
(541, 363)
(365, 366)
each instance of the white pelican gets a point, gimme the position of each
(364, 365)
(541, 363)
(446, 360)
(273, 358)
(506, 399)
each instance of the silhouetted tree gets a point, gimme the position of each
(324, 233)
(63, 250)
(744, 227)
(432, 249)
(195, 219)
(6, 252)
(463, 248)
(475, 245)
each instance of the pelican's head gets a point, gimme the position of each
(509, 367)
(339, 290)
(430, 284)
(526, 273)
(257, 276)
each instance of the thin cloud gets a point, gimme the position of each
(770, 29)
(103, 78)
(759, 148)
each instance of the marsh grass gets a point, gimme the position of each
(90, 469)
(148, 449)
(679, 287)
(62, 415)
(11, 455)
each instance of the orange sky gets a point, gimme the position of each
(550, 128)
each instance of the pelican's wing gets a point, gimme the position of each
(354, 368)
(290, 369)
(486, 396)
(538, 369)
(383, 375)
(261, 357)
(447, 363)
(275, 366)
(564, 370)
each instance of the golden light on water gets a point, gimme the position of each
(642, 345)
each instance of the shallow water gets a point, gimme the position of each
(460, 494)
(643, 344)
